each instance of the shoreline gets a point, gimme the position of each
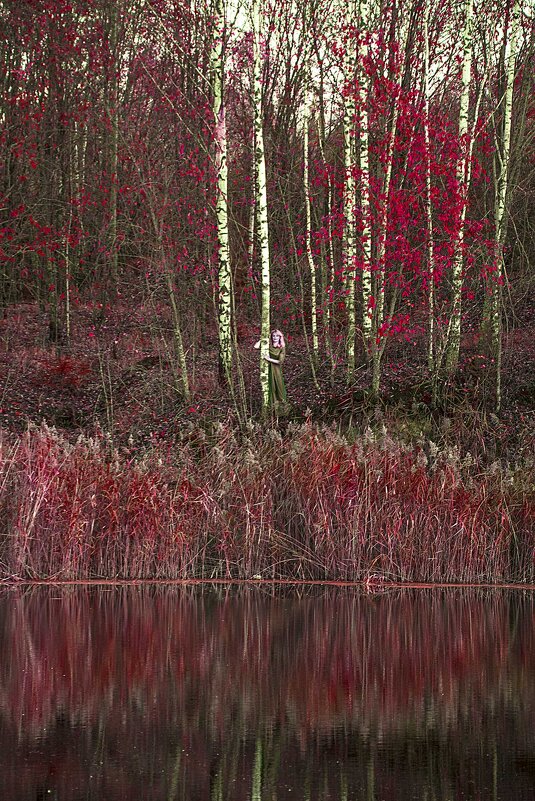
(368, 585)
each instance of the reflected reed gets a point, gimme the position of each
(239, 694)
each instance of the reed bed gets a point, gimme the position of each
(309, 504)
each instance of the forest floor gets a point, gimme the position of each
(118, 375)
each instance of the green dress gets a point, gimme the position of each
(277, 388)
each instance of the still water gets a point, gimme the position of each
(208, 694)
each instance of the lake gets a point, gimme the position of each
(263, 693)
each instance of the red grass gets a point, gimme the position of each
(309, 505)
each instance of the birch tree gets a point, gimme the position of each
(217, 68)
(349, 199)
(308, 225)
(261, 203)
(503, 151)
(454, 338)
(317, 11)
(327, 250)
(364, 163)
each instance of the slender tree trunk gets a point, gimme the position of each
(349, 240)
(177, 334)
(180, 353)
(365, 185)
(68, 250)
(428, 203)
(454, 338)
(500, 208)
(51, 177)
(68, 285)
(327, 251)
(308, 226)
(113, 116)
(329, 292)
(261, 204)
(378, 342)
(251, 240)
(302, 304)
(224, 271)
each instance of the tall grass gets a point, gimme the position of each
(307, 505)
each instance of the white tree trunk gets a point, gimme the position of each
(328, 250)
(505, 149)
(500, 207)
(251, 236)
(261, 203)
(220, 136)
(454, 339)
(365, 184)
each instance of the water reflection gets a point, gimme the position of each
(215, 694)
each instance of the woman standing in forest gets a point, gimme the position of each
(277, 354)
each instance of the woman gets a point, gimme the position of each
(277, 353)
